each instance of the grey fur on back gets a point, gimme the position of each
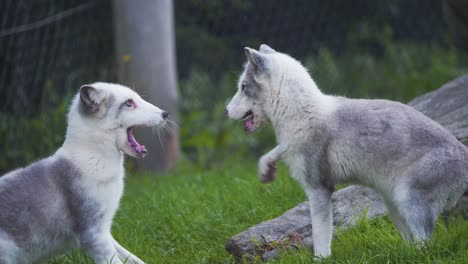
(42, 204)
(418, 166)
(399, 141)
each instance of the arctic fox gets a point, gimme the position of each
(69, 199)
(418, 166)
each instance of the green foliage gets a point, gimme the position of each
(188, 216)
(211, 34)
(24, 140)
(207, 135)
(199, 45)
(401, 72)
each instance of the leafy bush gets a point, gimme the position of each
(401, 72)
(207, 135)
(24, 140)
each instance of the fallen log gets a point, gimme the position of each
(447, 105)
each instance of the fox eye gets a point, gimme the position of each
(129, 103)
(243, 87)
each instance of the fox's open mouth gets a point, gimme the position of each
(249, 121)
(139, 149)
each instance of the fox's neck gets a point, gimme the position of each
(296, 108)
(101, 167)
(90, 150)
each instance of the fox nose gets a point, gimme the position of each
(165, 115)
(226, 111)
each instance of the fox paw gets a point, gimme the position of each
(267, 170)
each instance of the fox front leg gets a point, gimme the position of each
(267, 164)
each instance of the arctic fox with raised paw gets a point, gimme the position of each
(69, 199)
(418, 166)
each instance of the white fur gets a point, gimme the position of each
(275, 89)
(320, 107)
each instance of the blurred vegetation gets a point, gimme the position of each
(24, 140)
(362, 48)
(210, 34)
(400, 70)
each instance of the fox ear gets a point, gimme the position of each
(264, 48)
(90, 98)
(256, 58)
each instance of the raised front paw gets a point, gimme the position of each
(267, 169)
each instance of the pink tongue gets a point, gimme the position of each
(249, 124)
(133, 143)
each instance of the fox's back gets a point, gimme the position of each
(383, 136)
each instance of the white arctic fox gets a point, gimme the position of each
(419, 167)
(68, 200)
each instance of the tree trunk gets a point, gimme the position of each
(144, 33)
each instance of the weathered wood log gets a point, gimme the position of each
(448, 106)
(293, 229)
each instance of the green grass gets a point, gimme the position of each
(188, 216)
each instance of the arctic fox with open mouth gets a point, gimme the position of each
(69, 199)
(418, 166)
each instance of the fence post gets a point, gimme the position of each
(145, 50)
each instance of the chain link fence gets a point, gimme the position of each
(49, 48)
